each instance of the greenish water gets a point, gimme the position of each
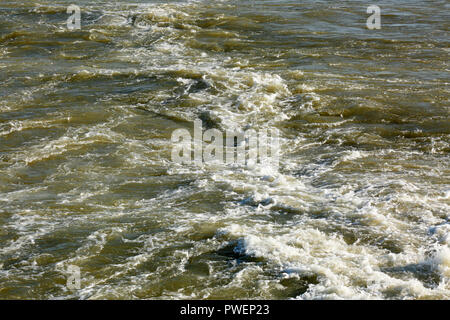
(359, 207)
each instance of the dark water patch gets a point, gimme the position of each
(234, 251)
(296, 286)
(424, 272)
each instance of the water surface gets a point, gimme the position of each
(359, 207)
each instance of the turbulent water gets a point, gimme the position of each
(358, 208)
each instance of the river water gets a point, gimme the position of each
(358, 207)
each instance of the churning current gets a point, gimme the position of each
(357, 206)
